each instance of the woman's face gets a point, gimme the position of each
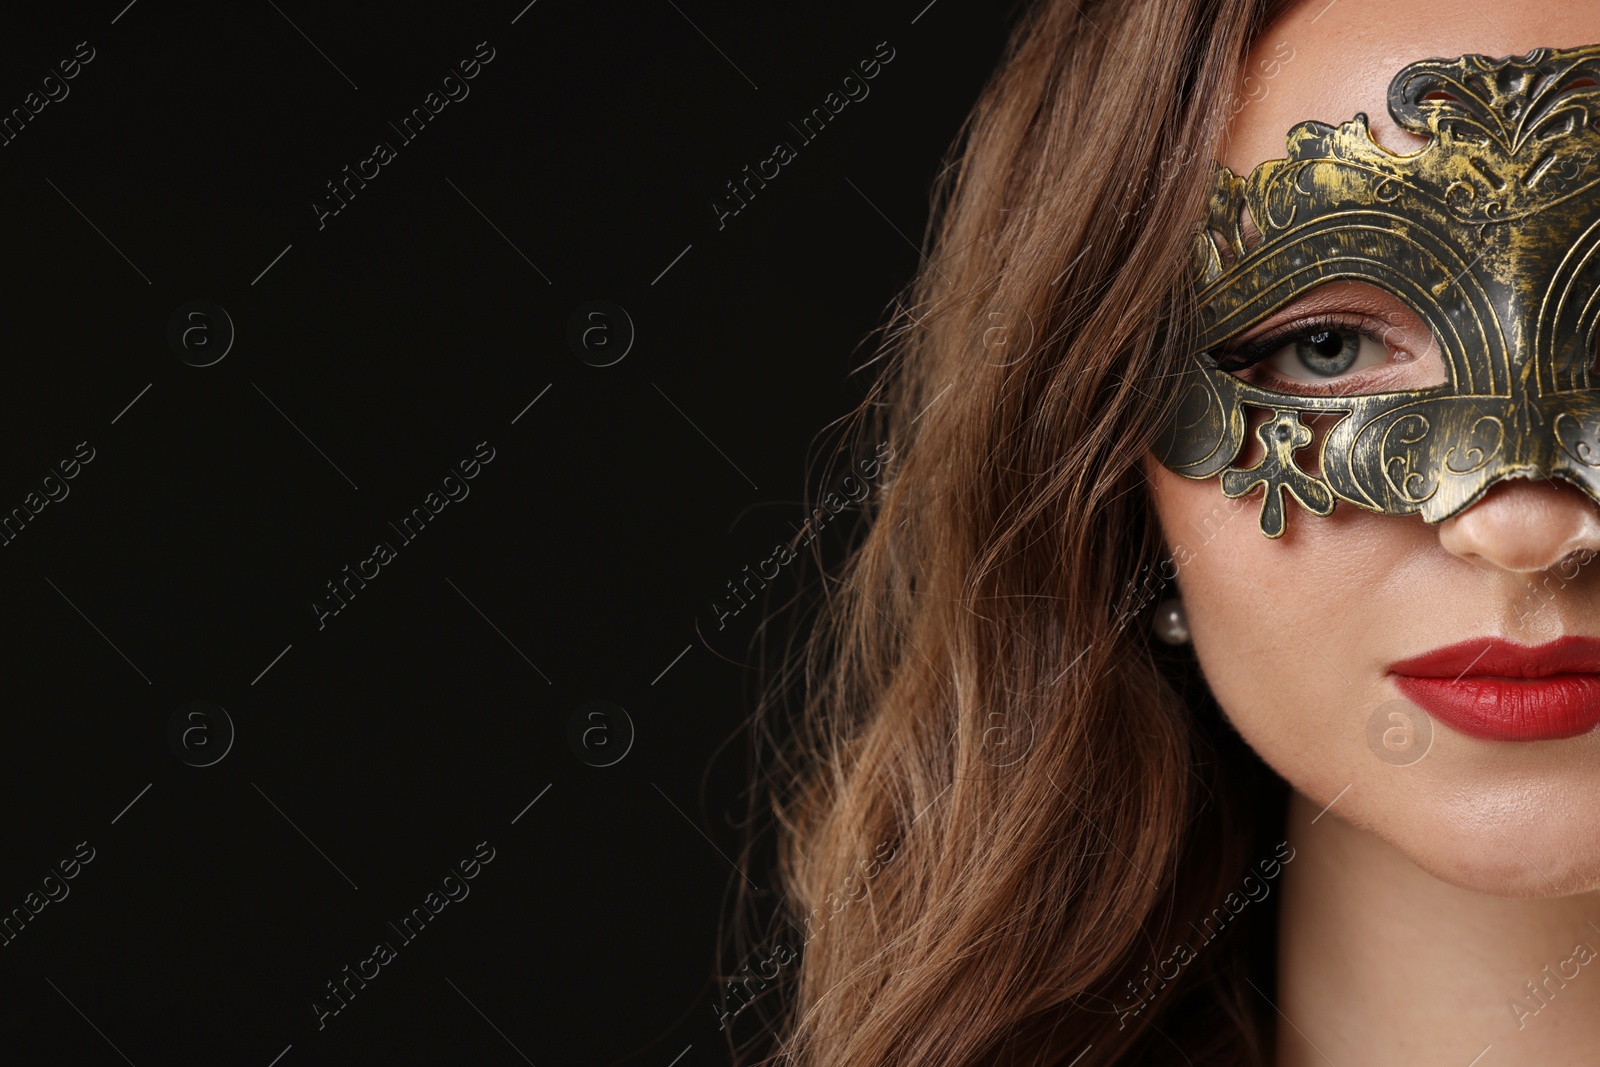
(1298, 636)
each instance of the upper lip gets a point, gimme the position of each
(1493, 657)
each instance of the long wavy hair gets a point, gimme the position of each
(998, 806)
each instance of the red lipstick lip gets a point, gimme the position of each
(1499, 691)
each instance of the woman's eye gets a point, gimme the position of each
(1328, 353)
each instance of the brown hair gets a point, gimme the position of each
(999, 801)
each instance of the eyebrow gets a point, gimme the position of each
(1247, 230)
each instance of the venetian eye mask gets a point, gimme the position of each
(1490, 233)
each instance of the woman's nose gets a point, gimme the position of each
(1524, 526)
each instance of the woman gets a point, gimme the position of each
(1030, 816)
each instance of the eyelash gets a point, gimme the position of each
(1258, 350)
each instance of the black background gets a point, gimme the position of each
(370, 358)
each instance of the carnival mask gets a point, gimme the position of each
(1490, 233)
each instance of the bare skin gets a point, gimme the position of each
(1420, 903)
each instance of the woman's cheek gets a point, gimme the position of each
(1270, 621)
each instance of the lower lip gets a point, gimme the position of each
(1509, 709)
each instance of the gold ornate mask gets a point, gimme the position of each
(1490, 233)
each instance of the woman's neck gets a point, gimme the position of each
(1381, 963)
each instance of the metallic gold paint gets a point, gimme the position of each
(1490, 233)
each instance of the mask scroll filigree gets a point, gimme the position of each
(1490, 233)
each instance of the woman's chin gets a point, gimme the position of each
(1515, 838)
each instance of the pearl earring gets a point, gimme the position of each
(1171, 624)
